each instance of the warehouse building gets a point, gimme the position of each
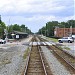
(64, 32)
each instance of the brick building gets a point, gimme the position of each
(63, 32)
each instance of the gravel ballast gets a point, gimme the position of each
(56, 67)
(11, 58)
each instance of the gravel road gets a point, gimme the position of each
(11, 58)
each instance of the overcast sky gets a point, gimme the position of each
(36, 13)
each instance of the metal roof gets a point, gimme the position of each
(17, 32)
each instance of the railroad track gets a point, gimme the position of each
(67, 57)
(35, 64)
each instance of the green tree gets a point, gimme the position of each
(50, 27)
(71, 23)
(42, 31)
(16, 27)
(10, 28)
(22, 28)
(62, 25)
(2, 27)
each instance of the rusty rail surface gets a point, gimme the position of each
(65, 56)
(35, 64)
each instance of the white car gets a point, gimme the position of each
(73, 36)
(2, 41)
(66, 39)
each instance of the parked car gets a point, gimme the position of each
(2, 41)
(73, 36)
(66, 39)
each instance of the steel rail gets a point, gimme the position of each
(65, 51)
(61, 56)
(28, 59)
(27, 64)
(57, 47)
(42, 61)
(64, 59)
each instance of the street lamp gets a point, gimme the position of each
(70, 30)
(70, 33)
(64, 30)
(41, 31)
(6, 33)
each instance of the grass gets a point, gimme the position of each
(66, 48)
(53, 39)
(26, 53)
(6, 61)
(60, 47)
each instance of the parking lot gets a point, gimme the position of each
(69, 47)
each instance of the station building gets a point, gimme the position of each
(19, 35)
(64, 32)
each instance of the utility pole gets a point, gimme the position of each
(64, 30)
(6, 33)
(70, 30)
(45, 32)
(0, 19)
(41, 31)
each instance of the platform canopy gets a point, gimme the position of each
(17, 32)
(19, 35)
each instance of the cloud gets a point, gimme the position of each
(31, 6)
(35, 13)
(35, 22)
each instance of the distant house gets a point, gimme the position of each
(63, 32)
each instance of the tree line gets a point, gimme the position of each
(11, 28)
(48, 29)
